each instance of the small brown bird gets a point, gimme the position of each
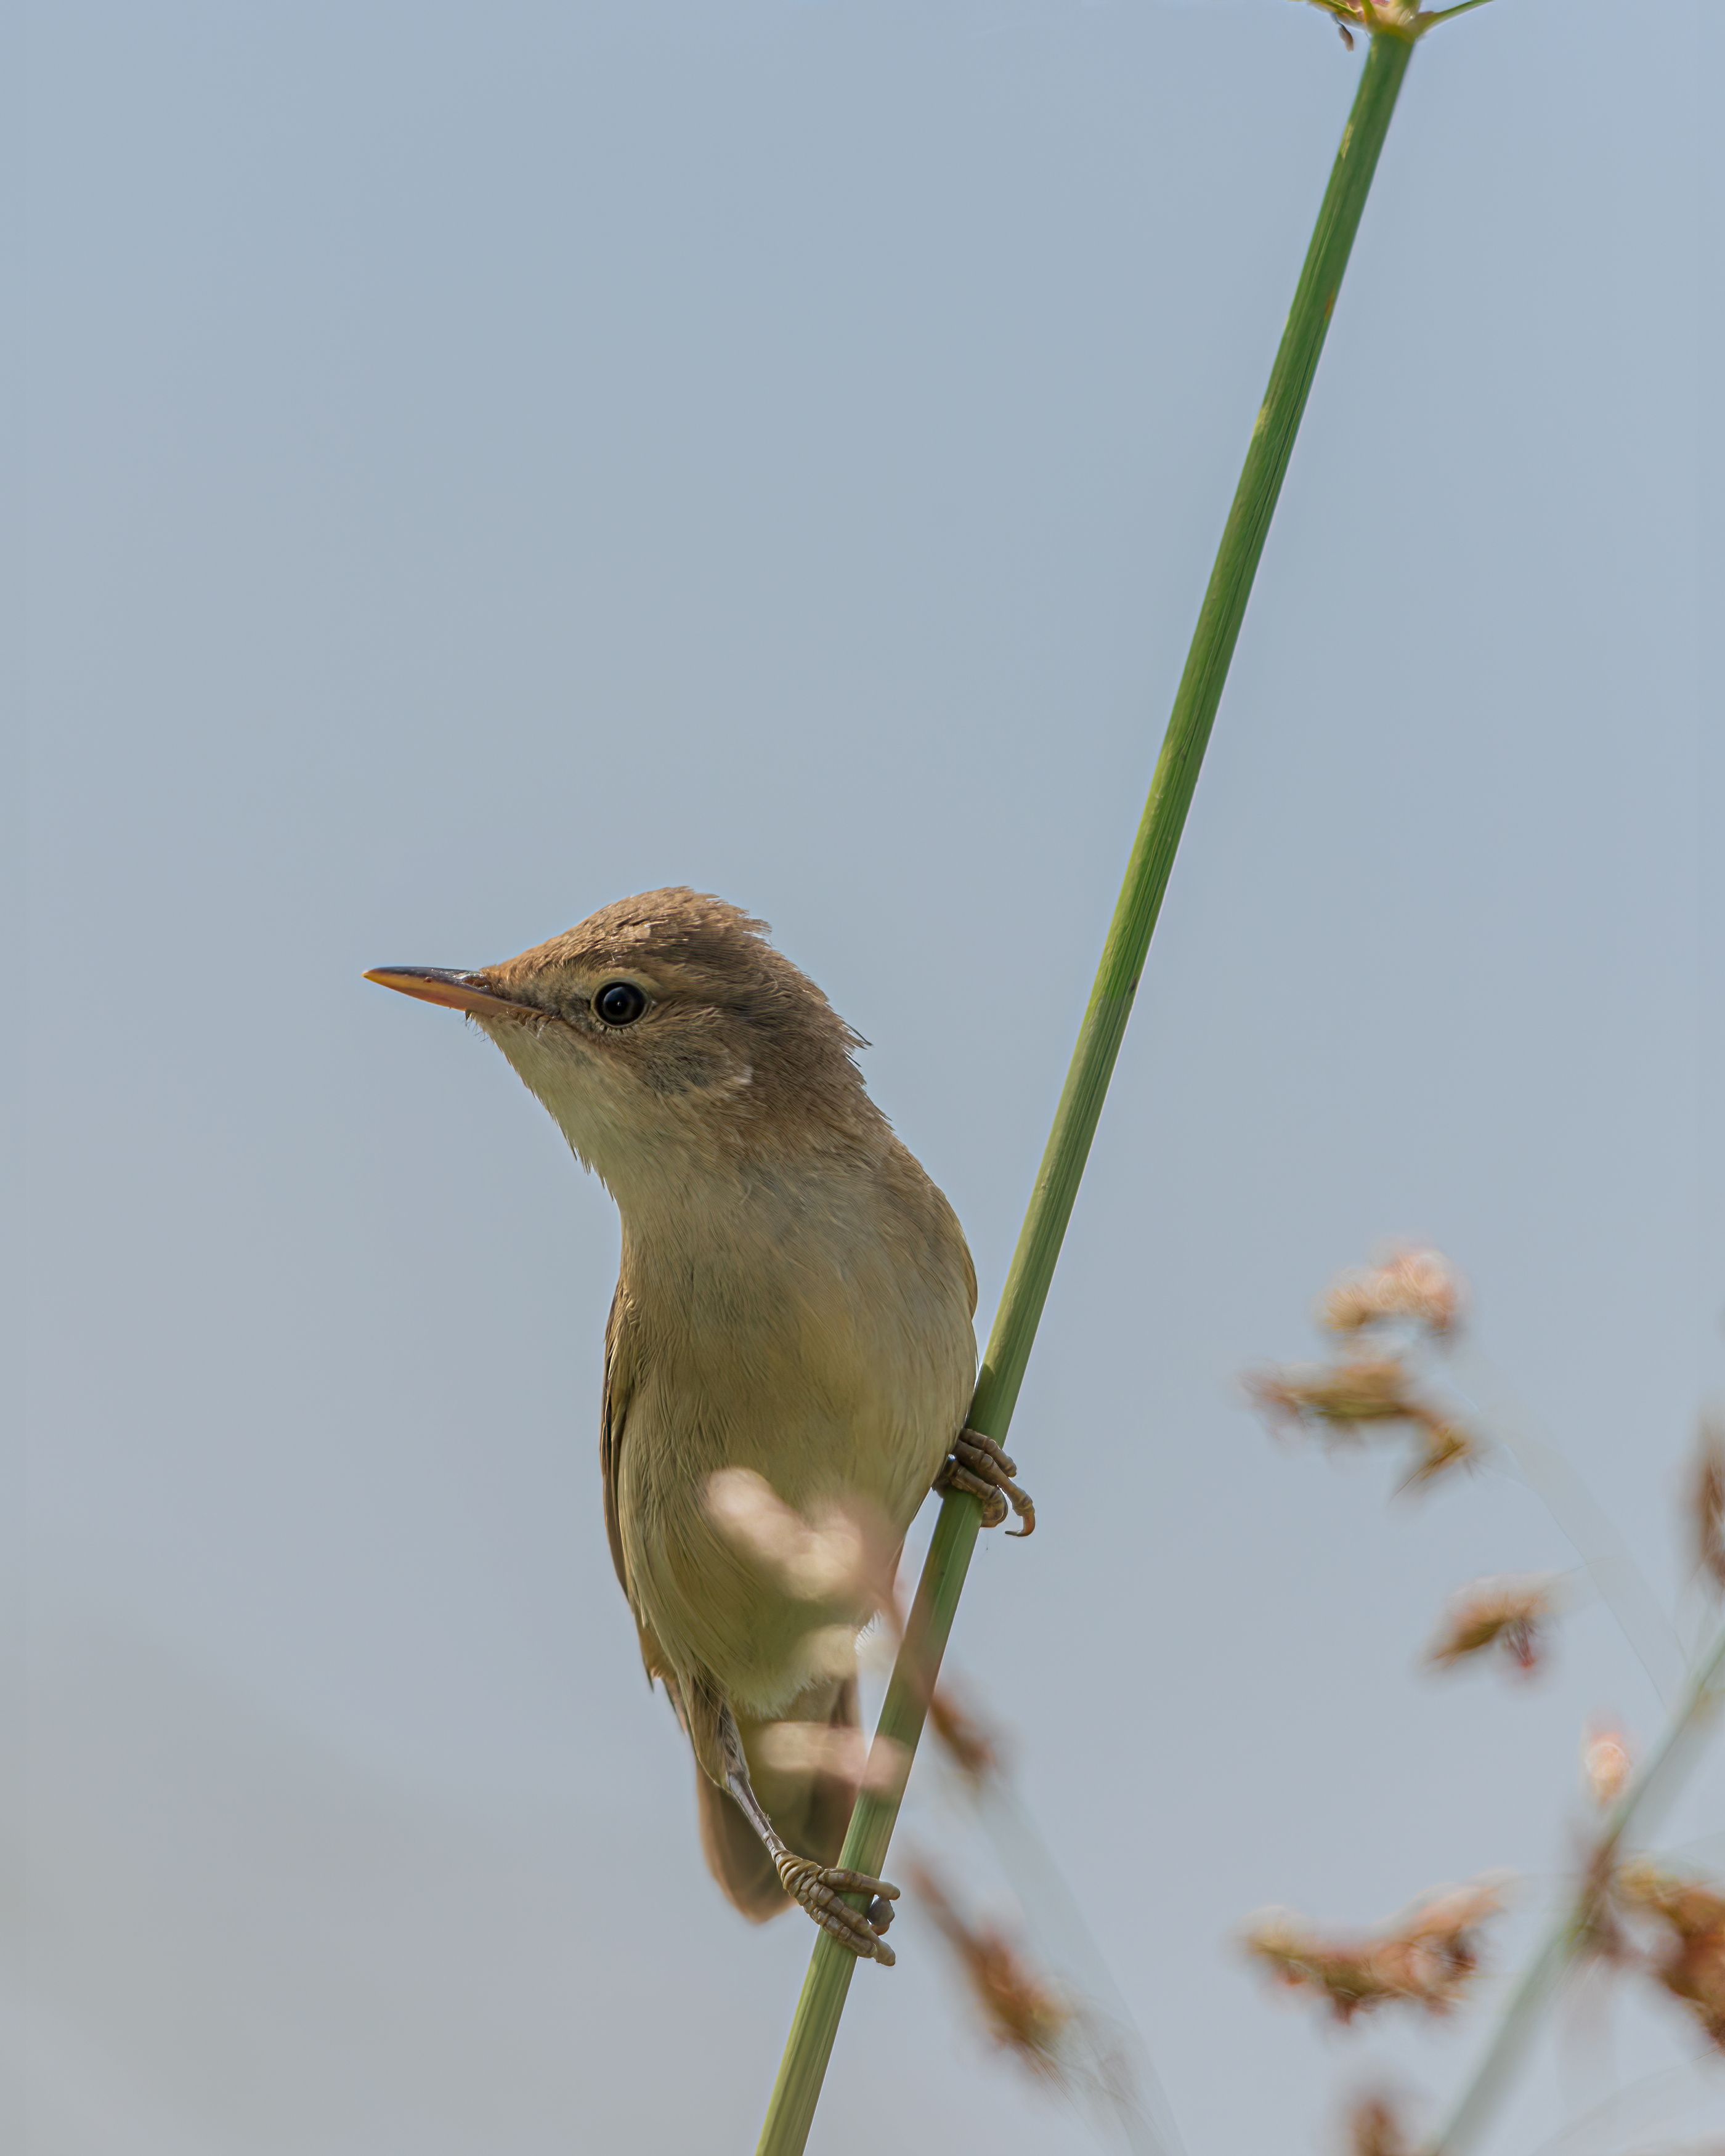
(790, 1345)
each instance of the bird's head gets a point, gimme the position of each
(663, 1032)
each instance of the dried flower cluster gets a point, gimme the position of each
(1687, 1958)
(1412, 1286)
(1021, 2010)
(1342, 1400)
(1509, 1614)
(1426, 1958)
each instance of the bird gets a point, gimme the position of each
(789, 1355)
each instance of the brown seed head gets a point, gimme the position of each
(1691, 1908)
(1506, 1614)
(1021, 2010)
(1419, 1287)
(1426, 1958)
(973, 1748)
(1339, 1397)
(1687, 1961)
(1341, 1401)
(1443, 1444)
(1707, 1500)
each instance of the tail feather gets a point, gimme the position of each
(811, 1810)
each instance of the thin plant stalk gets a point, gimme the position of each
(1605, 1555)
(1566, 1937)
(797, 2090)
(1140, 2112)
(1630, 2107)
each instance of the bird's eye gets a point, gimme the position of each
(619, 1003)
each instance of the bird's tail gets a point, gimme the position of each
(809, 1803)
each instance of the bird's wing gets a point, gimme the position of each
(619, 1383)
(620, 1367)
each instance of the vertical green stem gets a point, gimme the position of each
(816, 2022)
(1559, 1947)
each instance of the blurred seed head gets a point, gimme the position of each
(974, 1748)
(1412, 1286)
(1707, 1500)
(830, 1651)
(1605, 1763)
(1686, 1959)
(816, 1748)
(1426, 1958)
(1341, 1401)
(1375, 2128)
(1020, 2009)
(1507, 1614)
(1600, 1936)
(839, 1555)
(1341, 1397)
(1690, 1907)
(1443, 1445)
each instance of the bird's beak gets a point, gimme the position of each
(459, 991)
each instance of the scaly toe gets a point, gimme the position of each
(819, 1889)
(980, 1465)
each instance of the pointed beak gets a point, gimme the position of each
(458, 991)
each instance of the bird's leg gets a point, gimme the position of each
(977, 1464)
(819, 1888)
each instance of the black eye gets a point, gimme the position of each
(619, 1003)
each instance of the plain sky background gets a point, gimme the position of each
(485, 461)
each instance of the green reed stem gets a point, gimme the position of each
(1566, 1936)
(816, 2022)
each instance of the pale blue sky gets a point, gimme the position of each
(486, 461)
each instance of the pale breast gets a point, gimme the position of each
(820, 1339)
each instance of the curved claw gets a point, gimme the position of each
(978, 1465)
(819, 1889)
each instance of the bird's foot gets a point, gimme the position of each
(977, 1464)
(820, 1888)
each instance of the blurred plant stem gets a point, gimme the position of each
(1124, 2090)
(815, 2026)
(1644, 2103)
(1563, 1942)
(1579, 1518)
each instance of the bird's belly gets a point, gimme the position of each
(764, 1588)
